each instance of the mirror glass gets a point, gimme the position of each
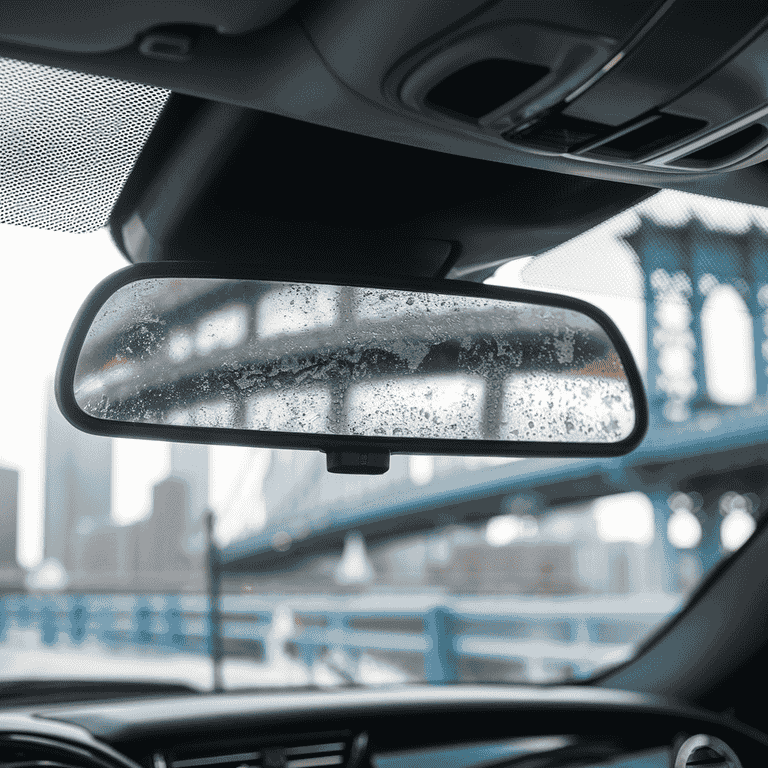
(324, 359)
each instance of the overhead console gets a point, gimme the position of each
(646, 92)
(684, 90)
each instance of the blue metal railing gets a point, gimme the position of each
(541, 637)
(169, 622)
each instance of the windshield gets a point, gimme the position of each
(443, 569)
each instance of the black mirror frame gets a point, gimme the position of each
(65, 373)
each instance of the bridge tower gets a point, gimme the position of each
(682, 265)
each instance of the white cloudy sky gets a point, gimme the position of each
(48, 275)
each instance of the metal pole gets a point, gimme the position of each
(214, 591)
(441, 661)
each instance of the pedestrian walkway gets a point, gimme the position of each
(23, 656)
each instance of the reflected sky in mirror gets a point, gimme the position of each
(304, 409)
(433, 406)
(294, 308)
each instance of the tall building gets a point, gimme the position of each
(9, 505)
(78, 487)
(10, 573)
(164, 552)
(161, 562)
(147, 556)
(189, 463)
(102, 553)
(163, 532)
(79, 531)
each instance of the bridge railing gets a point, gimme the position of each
(443, 640)
(167, 622)
(535, 640)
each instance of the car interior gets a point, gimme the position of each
(390, 144)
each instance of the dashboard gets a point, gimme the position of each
(406, 727)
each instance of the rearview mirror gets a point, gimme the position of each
(184, 352)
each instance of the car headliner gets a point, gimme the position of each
(274, 135)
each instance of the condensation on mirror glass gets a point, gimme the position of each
(449, 407)
(533, 408)
(298, 409)
(314, 359)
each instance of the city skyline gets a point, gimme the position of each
(160, 553)
(164, 549)
(78, 487)
(237, 476)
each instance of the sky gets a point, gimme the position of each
(48, 275)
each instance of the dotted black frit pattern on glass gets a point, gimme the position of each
(67, 144)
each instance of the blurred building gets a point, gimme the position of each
(162, 562)
(164, 552)
(150, 555)
(11, 574)
(189, 464)
(564, 557)
(101, 553)
(78, 488)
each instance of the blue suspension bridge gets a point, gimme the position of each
(700, 458)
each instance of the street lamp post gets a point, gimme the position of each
(214, 592)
